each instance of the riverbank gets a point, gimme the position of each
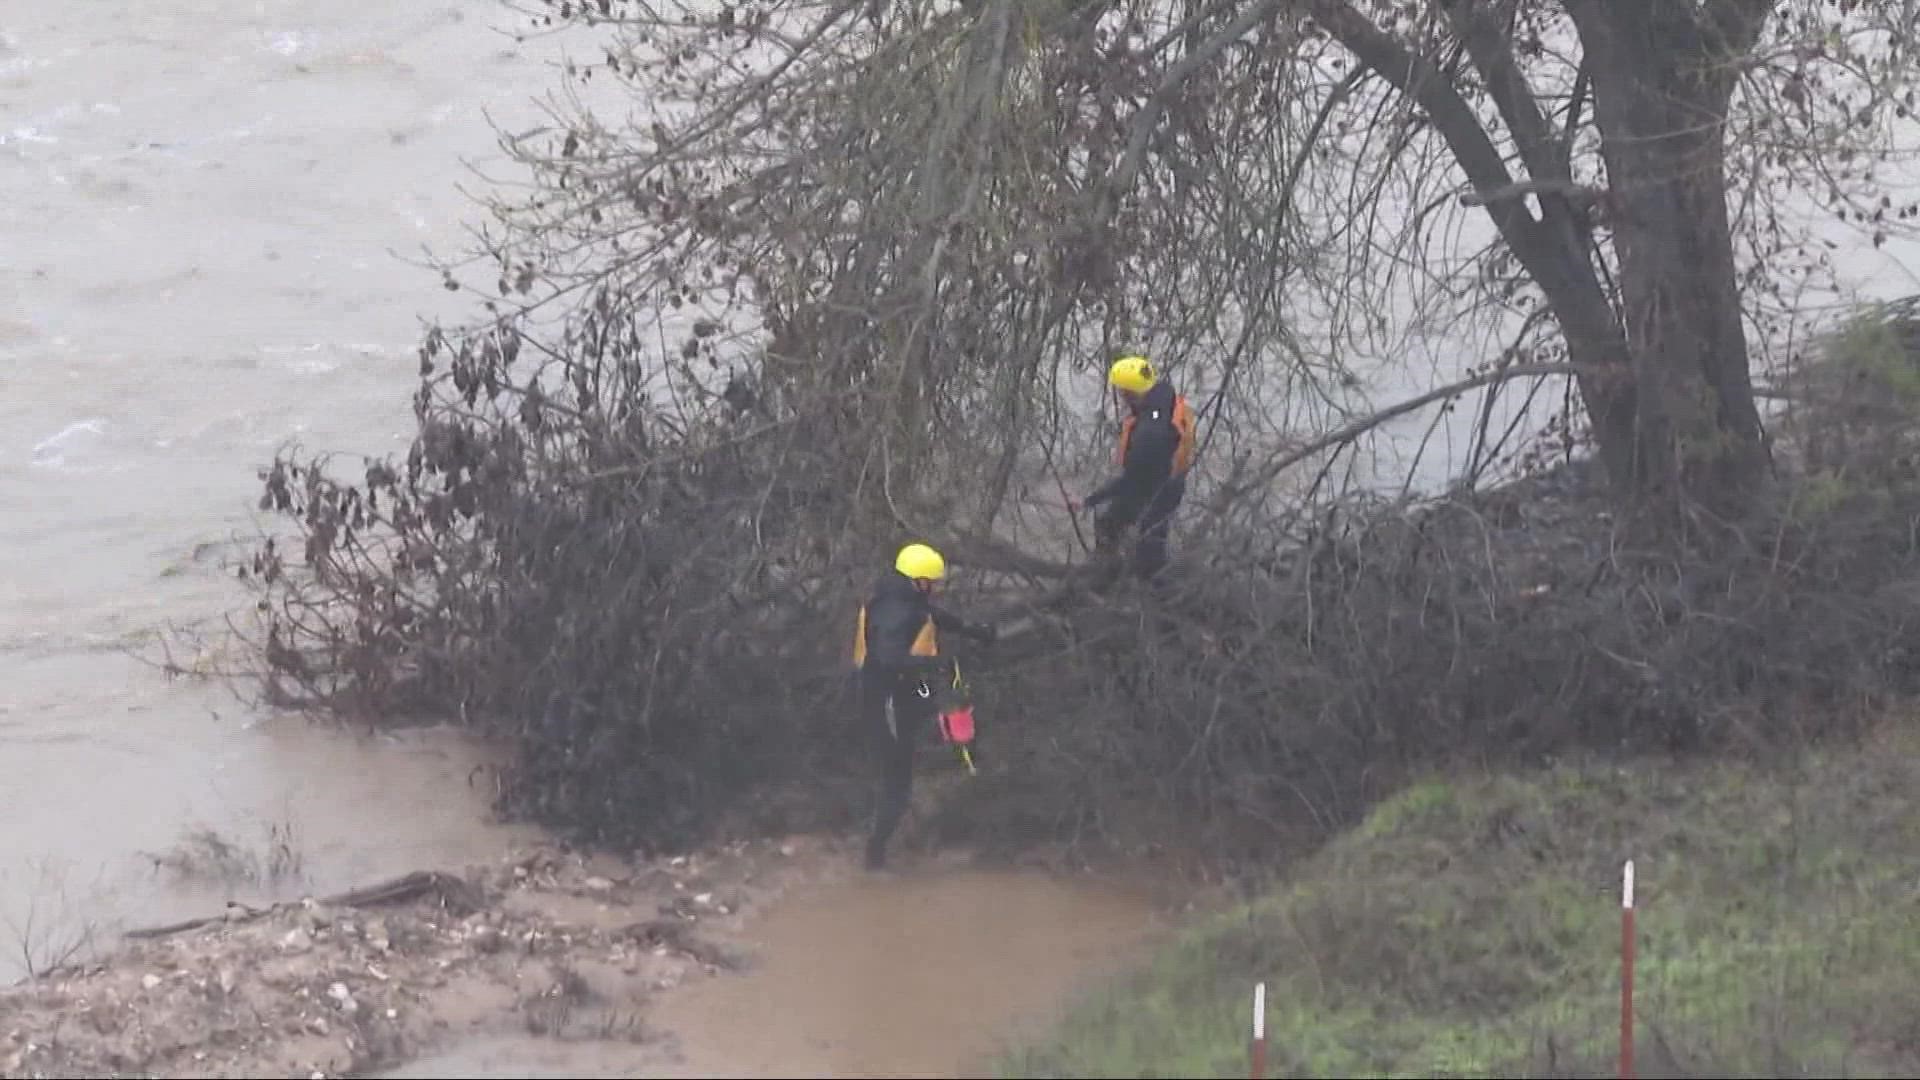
(761, 957)
(1470, 927)
(544, 942)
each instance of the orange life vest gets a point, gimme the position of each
(926, 643)
(1182, 429)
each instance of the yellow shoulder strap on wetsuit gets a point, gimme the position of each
(927, 643)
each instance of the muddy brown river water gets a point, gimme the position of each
(202, 209)
(930, 973)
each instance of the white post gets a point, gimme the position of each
(1626, 971)
(1259, 1049)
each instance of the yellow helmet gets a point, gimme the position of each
(1132, 374)
(920, 562)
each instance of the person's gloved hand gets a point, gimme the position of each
(986, 632)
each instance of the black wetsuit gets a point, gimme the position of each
(892, 710)
(1148, 490)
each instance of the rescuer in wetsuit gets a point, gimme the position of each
(1155, 452)
(895, 643)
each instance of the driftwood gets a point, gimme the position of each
(452, 892)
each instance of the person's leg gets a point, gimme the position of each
(1109, 550)
(875, 714)
(1107, 532)
(893, 756)
(1150, 552)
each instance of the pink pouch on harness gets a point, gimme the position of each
(956, 726)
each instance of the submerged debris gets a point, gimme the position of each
(551, 943)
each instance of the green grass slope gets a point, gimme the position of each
(1470, 927)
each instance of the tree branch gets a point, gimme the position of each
(1730, 29)
(1580, 194)
(754, 90)
(1350, 432)
(1148, 117)
(1488, 44)
(1735, 25)
(1582, 86)
(1416, 77)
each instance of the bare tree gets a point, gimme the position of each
(952, 200)
(49, 935)
(830, 281)
(1634, 145)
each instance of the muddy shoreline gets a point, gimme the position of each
(577, 960)
(547, 943)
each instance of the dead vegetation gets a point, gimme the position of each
(833, 292)
(206, 855)
(1293, 671)
(561, 946)
(46, 935)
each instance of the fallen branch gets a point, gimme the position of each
(452, 892)
(1360, 427)
(986, 553)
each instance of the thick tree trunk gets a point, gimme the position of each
(1563, 268)
(1661, 89)
(1668, 392)
(1698, 431)
(1556, 247)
